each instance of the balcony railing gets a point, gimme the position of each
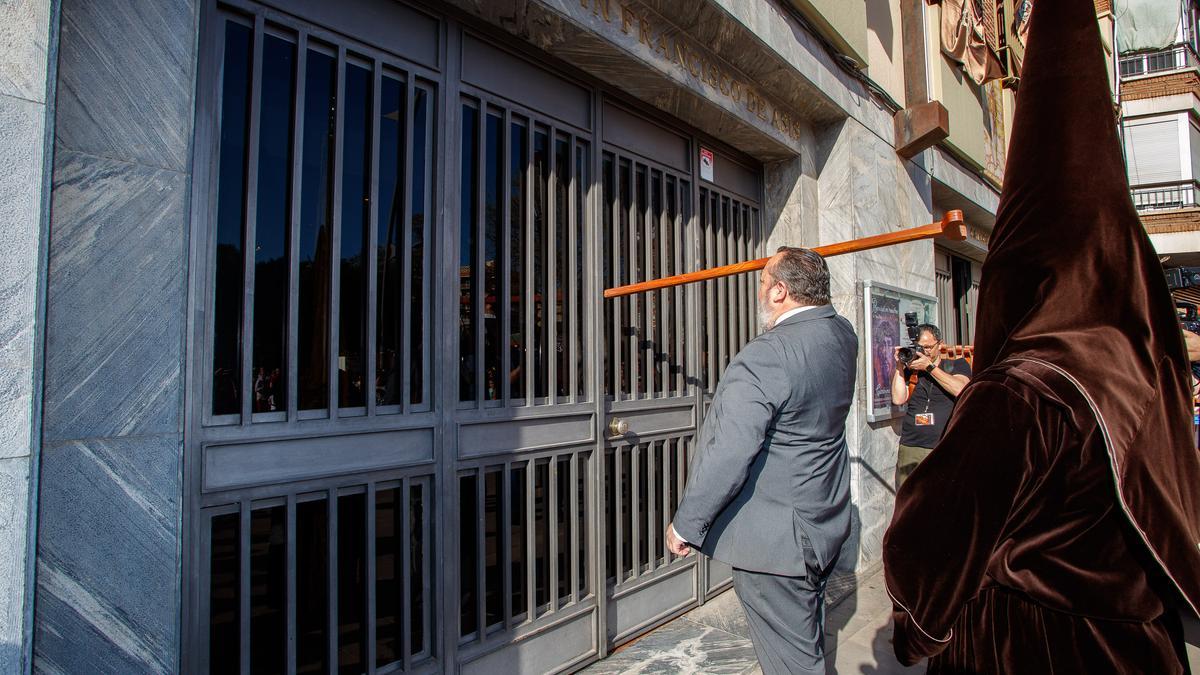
(1162, 197)
(1166, 60)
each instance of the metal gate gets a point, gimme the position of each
(403, 370)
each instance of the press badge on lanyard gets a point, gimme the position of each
(924, 419)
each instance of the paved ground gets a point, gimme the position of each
(715, 638)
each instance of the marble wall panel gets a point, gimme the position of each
(126, 80)
(114, 350)
(14, 529)
(24, 49)
(107, 584)
(22, 137)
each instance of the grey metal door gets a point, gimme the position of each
(313, 432)
(524, 425)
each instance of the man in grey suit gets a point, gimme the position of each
(769, 489)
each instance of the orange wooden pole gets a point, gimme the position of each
(951, 227)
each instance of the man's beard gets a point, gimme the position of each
(765, 320)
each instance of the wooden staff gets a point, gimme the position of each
(950, 227)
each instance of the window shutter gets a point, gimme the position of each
(1152, 152)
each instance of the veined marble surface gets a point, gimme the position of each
(109, 515)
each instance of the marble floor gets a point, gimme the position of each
(715, 637)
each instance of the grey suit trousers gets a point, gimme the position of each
(786, 617)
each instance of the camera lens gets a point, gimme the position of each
(906, 355)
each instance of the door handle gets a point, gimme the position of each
(617, 426)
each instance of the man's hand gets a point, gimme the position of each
(1192, 342)
(675, 544)
(920, 363)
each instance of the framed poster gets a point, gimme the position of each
(885, 310)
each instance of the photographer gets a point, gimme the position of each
(939, 382)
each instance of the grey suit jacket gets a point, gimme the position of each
(772, 468)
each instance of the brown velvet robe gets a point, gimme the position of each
(1056, 526)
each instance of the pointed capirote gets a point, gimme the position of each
(1071, 279)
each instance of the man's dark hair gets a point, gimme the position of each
(804, 274)
(931, 329)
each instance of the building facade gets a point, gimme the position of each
(225, 219)
(1160, 122)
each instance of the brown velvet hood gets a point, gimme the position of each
(1072, 280)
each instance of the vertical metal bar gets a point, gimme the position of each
(651, 476)
(681, 324)
(635, 505)
(250, 218)
(370, 582)
(332, 583)
(244, 586)
(480, 555)
(617, 366)
(550, 302)
(574, 277)
(370, 256)
(427, 612)
(506, 540)
(722, 318)
(479, 271)
(743, 279)
(293, 299)
(668, 446)
(552, 516)
(504, 283)
(404, 358)
(573, 552)
(291, 584)
(709, 292)
(335, 236)
(619, 518)
(530, 306)
(427, 250)
(751, 294)
(650, 331)
(635, 275)
(665, 297)
(530, 539)
(405, 543)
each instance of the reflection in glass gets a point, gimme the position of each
(516, 494)
(541, 506)
(352, 587)
(516, 201)
(231, 197)
(272, 226)
(356, 210)
(581, 555)
(390, 254)
(416, 567)
(493, 264)
(268, 590)
(224, 600)
(541, 254)
(421, 179)
(468, 554)
(565, 524)
(312, 586)
(642, 325)
(389, 577)
(316, 215)
(562, 269)
(626, 275)
(468, 188)
(493, 565)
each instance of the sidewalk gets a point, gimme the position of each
(715, 638)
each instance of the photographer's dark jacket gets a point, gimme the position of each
(929, 397)
(1056, 525)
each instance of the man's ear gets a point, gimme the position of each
(778, 293)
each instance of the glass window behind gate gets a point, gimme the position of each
(522, 243)
(325, 169)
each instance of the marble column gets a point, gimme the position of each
(25, 59)
(108, 549)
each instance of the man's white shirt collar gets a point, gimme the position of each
(790, 313)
